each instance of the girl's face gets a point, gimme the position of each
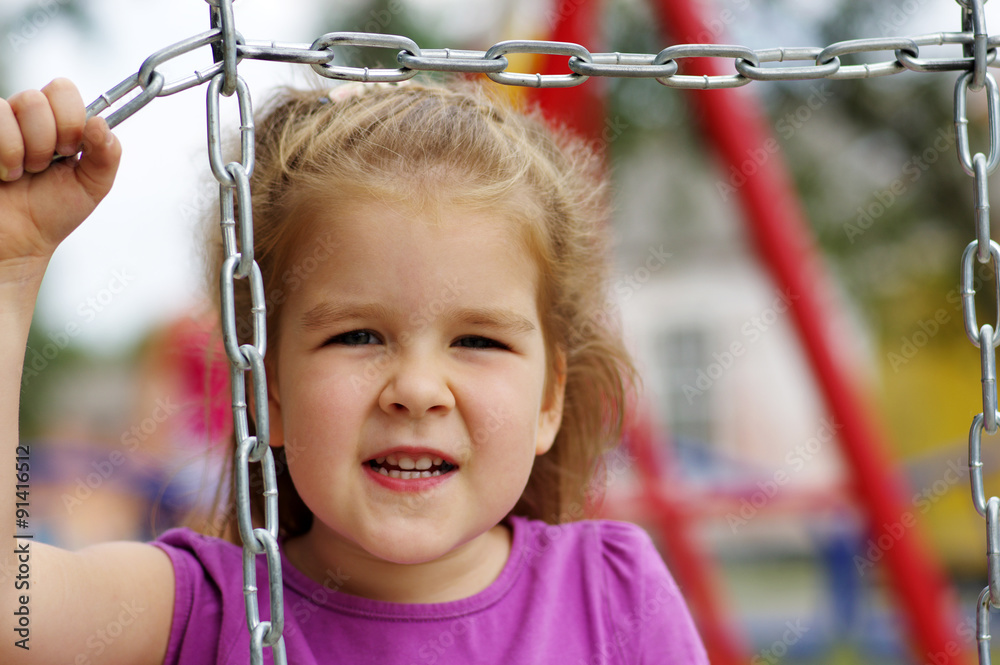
(409, 345)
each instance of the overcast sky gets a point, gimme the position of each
(133, 264)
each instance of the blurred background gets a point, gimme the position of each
(736, 462)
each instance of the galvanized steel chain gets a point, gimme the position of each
(236, 217)
(979, 51)
(984, 252)
(747, 64)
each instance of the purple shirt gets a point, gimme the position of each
(583, 593)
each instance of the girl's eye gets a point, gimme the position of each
(355, 338)
(477, 342)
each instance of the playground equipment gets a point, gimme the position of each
(773, 216)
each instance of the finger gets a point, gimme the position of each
(70, 115)
(38, 128)
(99, 163)
(11, 144)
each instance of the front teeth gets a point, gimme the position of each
(409, 464)
(407, 475)
(406, 467)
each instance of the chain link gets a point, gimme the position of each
(993, 548)
(364, 39)
(452, 60)
(979, 52)
(899, 45)
(821, 69)
(624, 65)
(983, 626)
(300, 54)
(575, 51)
(962, 88)
(224, 50)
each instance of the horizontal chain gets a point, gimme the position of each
(745, 62)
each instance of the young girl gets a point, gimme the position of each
(442, 383)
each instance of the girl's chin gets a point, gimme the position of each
(410, 548)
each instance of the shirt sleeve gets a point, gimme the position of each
(197, 619)
(650, 619)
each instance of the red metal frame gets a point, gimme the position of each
(692, 567)
(582, 110)
(734, 125)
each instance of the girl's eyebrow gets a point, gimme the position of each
(327, 314)
(500, 318)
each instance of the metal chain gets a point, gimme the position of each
(982, 250)
(979, 51)
(234, 195)
(825, 62)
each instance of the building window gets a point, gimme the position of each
(686, 390)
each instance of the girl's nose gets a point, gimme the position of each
(416, 386)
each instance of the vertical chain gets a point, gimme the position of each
(236, 218)
(984, 251)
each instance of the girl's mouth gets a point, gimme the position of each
(406, 467)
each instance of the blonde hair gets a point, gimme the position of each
(417, 141)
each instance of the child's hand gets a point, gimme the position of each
(42, 202)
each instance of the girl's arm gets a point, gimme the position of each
(110, 603)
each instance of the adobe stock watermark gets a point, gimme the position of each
(496, 418)
(795, 461)
(628, 284)
(377, 21)
(913, 169)
(37, 359)
(756, 158)
(304, 609)
(97, 643)
(752, 331)
(291, 281)
(794, 630)
(953, 651)
(629, 626)
(612, 131)
(922, 502)
(911, 344)
(380, 20)
(105, 468)
(34, 21)
(562, 10)
(715, 26)
(417, 322)
(625, 286)
(897, 15)
(616, 465)
(218, 519)
(434, 648)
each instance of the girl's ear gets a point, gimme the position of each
(550, 417)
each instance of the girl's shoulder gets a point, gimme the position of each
(604, 542)
(208, 579)
(621, 555)
(616, 565)
(197, 557)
